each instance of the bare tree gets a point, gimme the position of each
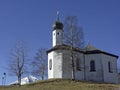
(40, 64)
(73, 36)
(18, 62)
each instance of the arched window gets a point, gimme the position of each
(50, 64)
(58, 33)
(110, 67)
(92, 66)
(78, 64)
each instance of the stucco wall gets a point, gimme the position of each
(67, 65)
(57, 38)
(56, 71)
(79, 74)
(50, 72)
(57, 64)
(62, 66)
(93, 75)
(110, 76)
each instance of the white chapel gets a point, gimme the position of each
(90, 63)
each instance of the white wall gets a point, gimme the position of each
(94, 75)
(62, 66)
(56, 71)
(101, 74)
(57, 39)
(108, 76)
(50, 72)
(57, 64)
(67, 65)
(79, 74)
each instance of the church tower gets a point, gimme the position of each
(57, 34)
(55, 57)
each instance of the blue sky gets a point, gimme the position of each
(31, 21)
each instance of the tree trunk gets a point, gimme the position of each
(72, 59)
(73, 69)
(43, 72)
(19, 80)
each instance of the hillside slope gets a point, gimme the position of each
(63, 84)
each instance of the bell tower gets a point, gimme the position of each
(57, 33)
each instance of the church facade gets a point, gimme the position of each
(90, 63)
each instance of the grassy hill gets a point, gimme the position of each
(63, 84)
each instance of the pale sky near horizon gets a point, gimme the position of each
(31, 21)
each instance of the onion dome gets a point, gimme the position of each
(58, 24)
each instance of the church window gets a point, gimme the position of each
(92, 66)
(110, 67)
(57, 33)
(78, 64)
(50, 64)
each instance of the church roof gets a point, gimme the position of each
(58, 25)
(64, 47)
(89, 49)
(102, 52)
